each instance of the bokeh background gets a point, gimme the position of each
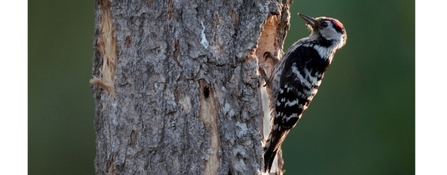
(361, 122)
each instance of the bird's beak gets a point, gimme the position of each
(308, 19)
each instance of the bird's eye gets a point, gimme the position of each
(324, 24)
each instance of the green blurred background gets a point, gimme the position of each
(361, 122)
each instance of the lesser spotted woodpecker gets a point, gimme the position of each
(297, 76)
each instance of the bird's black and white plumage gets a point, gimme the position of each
(297, 76)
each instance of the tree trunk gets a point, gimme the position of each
(176, 84)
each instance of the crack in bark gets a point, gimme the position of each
(208, 115)
(170, 9)
(272, 40)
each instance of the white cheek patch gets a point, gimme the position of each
(329, 32)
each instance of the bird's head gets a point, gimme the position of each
(326, 29)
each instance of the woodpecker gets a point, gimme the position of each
(297, 76)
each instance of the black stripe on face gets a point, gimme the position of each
(324, 42)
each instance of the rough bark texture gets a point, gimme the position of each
(176, 85)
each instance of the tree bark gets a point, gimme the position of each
(176, 84)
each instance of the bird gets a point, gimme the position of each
(296, 78)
